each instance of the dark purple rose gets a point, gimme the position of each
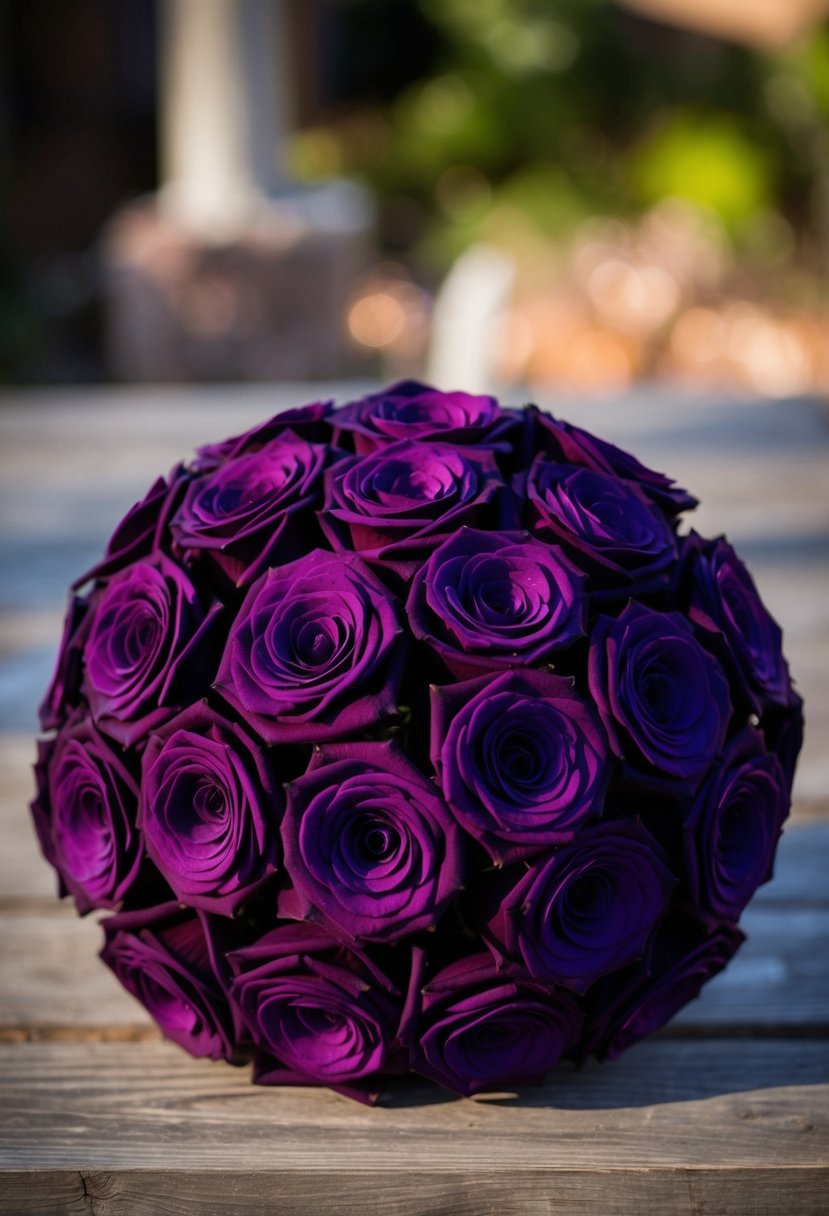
(568, 444)
(371, 847)
(480, 1028)
(160, 955)
(147, 650)
(589, 908)
(315, 651)
(411, 410)
(142, 531)
(255, 510)
(783, 734)
(489, 600)
(309, 422)
(723, 597)
(210, 810)
(663, 698)
(608, 526)
(84, 814)
(521, 759)
(319, 1014)
(733, 827)
(395, 506)
(685, 955)
(64, 691)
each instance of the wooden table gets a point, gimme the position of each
(727, 1111)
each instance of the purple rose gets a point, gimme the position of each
(161, 956)
(64, 691)
(308, 422)
(608, 526)
(685, 955)
(410, 410)
(733, 827)
(489, 600)
(84, 814)
(588, 909)
(256, 510)
(371, 847)
(723, 598)
(149, 644)
(143, 530)
(521, 759)
(209, 810)
(568, 444)
(663, 698)
(315, 652)
(783, 735)
(480, 1028)
(319, 1014)
(395, 506)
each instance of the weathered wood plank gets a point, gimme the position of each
(757, 1190)
(52, 983)
(714, 1103)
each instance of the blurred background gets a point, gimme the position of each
(578, 194)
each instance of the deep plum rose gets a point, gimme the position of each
(315, 651)
(84, 814)
(733, 827)
(608, 526)
(723, 597)
(310, 422)
(684, 956)
(488, 600)
(255, 510)
(663, 698)
(318, 1013)
(569, 444)
(369, 844)
(149, 648)
(143, 530)
(210, 810)
(411, 410)
(521, 759)
(589, 908)
(395, 506)
(64, 691)
(480, 1028)
(160, 955)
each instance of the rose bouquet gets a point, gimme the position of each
(415, 735)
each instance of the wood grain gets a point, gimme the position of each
(692, 1104)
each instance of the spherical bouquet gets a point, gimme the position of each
(415, 735)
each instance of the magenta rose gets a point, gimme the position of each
(149, 649)
(372, 849)
(723, 598)
(608, 526)
(521, 759)
(485, 601)
(685, 955)
(397, 505)
(733, 826)
(589, 908)
(143, 530)
(210, 810)
(481, 1028)
(568, 444)
(309, 422)
(84, 814)
(315, 651)
(64, 691)
(318, 1013)
(411, 410)
(256, 510)
(161, 956)
(663, 698)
